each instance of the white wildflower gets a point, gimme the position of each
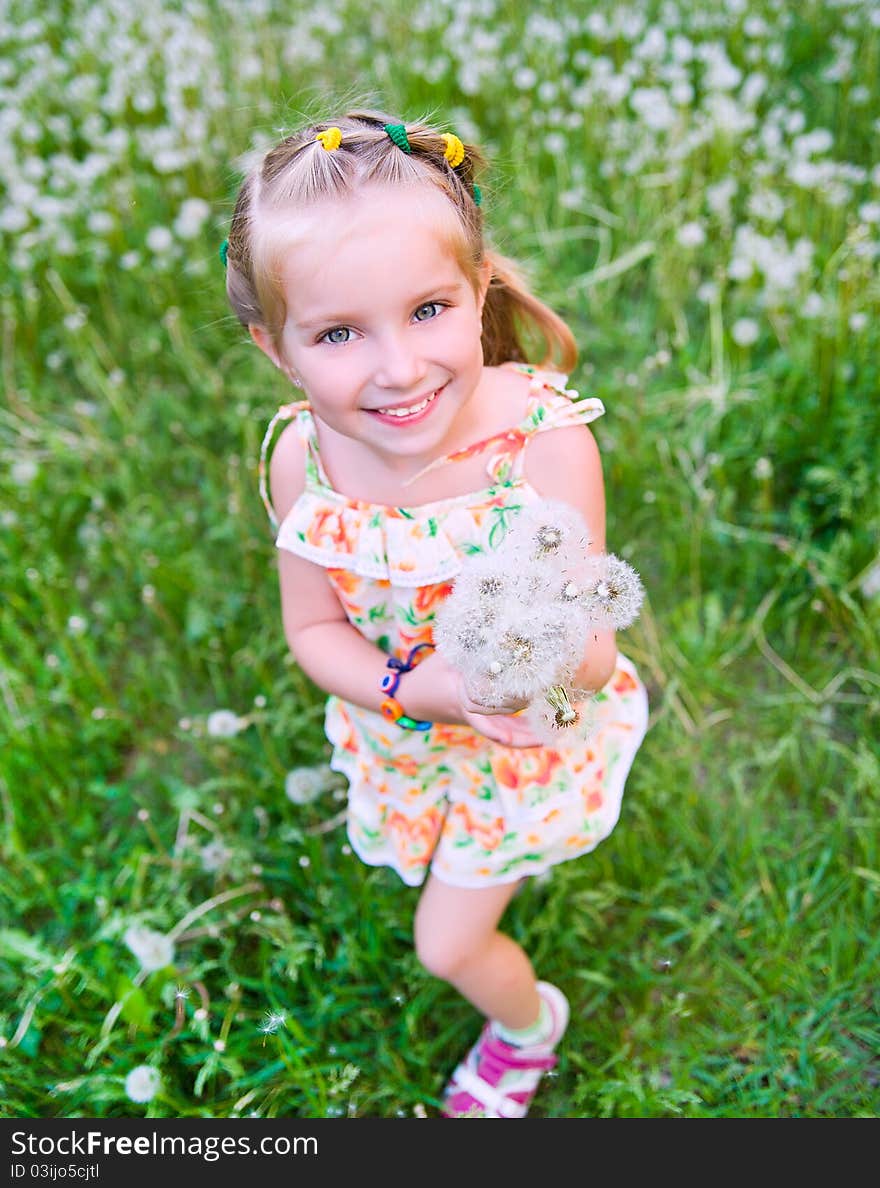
(763, 468)
(614, 594)
(224, 723)
(869, 212)
(857, 322)
(214, 856)
(153, 949)
(191, 217)
(302, 785)
(720, 195)
(77, 625)
(766, 205)
(159, 240)
(143, 1083)
(691, 235)
(744, 331)
(24, 471)
(100, 222)
(517, 622)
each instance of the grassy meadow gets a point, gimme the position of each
(183, 929)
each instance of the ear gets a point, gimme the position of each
(263, 339)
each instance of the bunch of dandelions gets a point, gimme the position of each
(518, 620)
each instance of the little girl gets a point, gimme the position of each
(356, 260)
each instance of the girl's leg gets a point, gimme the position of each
(456, 939)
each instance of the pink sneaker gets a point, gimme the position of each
(497, 1079)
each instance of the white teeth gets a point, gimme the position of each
(408, 412)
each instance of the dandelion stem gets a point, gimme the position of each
(214, 901)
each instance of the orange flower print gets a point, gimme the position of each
(536, 768)
(348, 742)
(417, 837)
(487, 833)
(622, 682)
(407, 765)
(428, 598)
(444, 735)
(411, 639)
(328, 527)
(346, 582)
(594, 801)
(510, 440)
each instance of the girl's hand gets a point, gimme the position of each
(438, 692)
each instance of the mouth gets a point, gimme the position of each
(406, 414)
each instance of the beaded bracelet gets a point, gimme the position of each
(391, 709)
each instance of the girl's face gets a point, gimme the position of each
(383, 328)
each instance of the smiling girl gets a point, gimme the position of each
(356, 259)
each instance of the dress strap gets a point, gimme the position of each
(550, 406)
(285, 413)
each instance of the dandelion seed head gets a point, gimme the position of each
(214, 856)
(142, 1084)
(744, 331)
(548, 538)
(691, 235)
(492, 586)
(616, 595)
(153, 949)
(224, 723)
(302, 785)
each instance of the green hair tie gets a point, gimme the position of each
(397, 132)
(224, 251)
(478, 196)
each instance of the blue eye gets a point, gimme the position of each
(427, 305)
(328, 337)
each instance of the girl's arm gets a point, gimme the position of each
(564, 464)
(333, 653)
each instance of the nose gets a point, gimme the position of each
(399, 364)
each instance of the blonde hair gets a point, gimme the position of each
(297, 173)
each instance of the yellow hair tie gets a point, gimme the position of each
(330, 138)
(454, 152)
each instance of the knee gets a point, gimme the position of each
(442, 954)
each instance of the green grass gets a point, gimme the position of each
(720, 948)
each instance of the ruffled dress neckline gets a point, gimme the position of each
(508, 443)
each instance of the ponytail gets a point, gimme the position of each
(512, 310)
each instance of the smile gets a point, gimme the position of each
(410, 412)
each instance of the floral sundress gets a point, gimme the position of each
(448, 799)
